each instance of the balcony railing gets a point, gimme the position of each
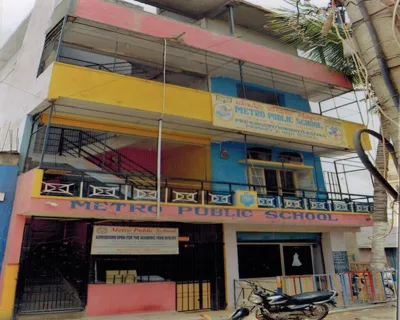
(130, 187)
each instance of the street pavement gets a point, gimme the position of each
(386, 312)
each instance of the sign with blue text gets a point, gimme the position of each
(134, 240)
(260, 118)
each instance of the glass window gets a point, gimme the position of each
(259, 261)
(259, 154)
(259, 95)
(290, 157)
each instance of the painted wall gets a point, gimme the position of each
(228, 87)
(21, 90)
(222, 27)
(114, 299)
(8, 183)
(187, 161)
(230, 170)
(194, 36)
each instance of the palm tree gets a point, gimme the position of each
(309, 29)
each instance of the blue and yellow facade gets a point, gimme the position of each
(205, 167)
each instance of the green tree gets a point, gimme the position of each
(311, 30)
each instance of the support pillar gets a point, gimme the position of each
(335, 252)
(352, 247)
(231, 263)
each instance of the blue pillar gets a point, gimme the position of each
(8, 183)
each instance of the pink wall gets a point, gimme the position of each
(113, 299)
(108, 13)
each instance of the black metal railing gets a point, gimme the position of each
(124, 186)
(93, 147)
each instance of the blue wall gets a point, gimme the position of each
(228, 87)
(8, 183)
(230, 170)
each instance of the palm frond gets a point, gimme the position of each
(303, 30)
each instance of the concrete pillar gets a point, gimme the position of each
(231, 263)
(335, 252)
(352, 247)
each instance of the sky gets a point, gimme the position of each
(12, 12)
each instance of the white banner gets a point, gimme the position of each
(134, 240)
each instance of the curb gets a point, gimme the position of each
(335, 311)
(363, 307)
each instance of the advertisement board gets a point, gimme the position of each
(282, 123)
(134, 240)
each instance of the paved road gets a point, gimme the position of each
(387, 313)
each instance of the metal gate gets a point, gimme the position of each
(53, 273)
(200, 284)
(193, 295)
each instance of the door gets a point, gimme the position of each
(288, 183)
(298, 260)
(257, 178)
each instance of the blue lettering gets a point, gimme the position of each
(310, 216)
(322, 216)
(201, 211)
(330, 218)
(247, 213)
(137, 208)
(75, 204)
(153, 209)
(271, 215)
(182, 210)
(101, 206)
(118, 206)
(229, 214)
(299, 215)
(216, 212)
(285, 215)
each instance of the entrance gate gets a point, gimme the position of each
(53, 273)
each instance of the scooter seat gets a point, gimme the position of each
(309, 297)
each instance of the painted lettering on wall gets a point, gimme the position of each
(202, 212)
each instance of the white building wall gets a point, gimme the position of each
(20, 89)
(231, 263)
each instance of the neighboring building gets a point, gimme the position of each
(364, 243)
(242, 193)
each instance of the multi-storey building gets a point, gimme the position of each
(113, 215)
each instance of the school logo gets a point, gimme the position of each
(334, 133)
(102, 230)
(224, 112)
(247, 199)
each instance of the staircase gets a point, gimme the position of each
(96, 150)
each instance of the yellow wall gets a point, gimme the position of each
(143, 95)
(129, 92)
(9, 291)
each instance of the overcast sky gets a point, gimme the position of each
(12, 12)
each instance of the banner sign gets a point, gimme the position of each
(134, 240)
(283, 123)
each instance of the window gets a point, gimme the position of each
(290, 157)
(260, 95)
(259, 261)
(272, 181)
(259, 154)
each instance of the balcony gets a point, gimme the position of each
(88, 173)
(138, 187)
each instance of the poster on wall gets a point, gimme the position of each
(341, 261)
(134, 241)
(260, 118)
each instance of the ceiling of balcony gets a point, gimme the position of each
(97, 113)
(133, 47)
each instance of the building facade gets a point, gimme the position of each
(172, 152)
